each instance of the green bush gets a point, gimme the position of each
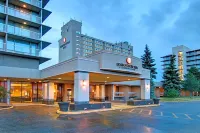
(172, 93)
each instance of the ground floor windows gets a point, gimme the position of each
(26, 92)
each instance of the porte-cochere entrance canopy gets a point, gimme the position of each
(99, 69)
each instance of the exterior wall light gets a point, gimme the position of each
(148, 87)
(84, 84)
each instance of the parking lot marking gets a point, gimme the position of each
(150, 112)
(140, 111)
(188, 116)
(161, 113)
(132, 110)
(174, 115)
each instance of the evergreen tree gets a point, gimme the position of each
(191, 83)
(149, 63)
(171, 79)
(195, 71)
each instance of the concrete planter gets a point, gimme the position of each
(156, 100)
(89, 106)
(64, 106)
(139, 102)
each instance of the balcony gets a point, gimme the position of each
(2, 27)
(23, 32)
(16, 48)
(2, 8)
(24, 15)
(33, 2)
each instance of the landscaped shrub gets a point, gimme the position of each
(172, 93)
(3, 93)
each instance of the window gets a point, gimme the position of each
(108, 48)
(1, 43)
(78, 32)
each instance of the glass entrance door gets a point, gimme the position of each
(21, 92)
(59, 92)
(26, 92)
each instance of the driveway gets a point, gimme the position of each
(181, 117)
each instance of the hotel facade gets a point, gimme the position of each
(185, 59)
(89, 69)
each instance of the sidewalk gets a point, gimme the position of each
(32, 104)
(4, 106)
(115, 106)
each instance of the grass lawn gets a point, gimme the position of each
(180, 99)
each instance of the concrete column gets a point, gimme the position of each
(48, 93)
(97, 91)
(102, 92)
(145, 89)
(81, 87)
(126, 90)
(8, 90)
(112, 93)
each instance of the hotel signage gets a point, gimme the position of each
(128, 60)
(65, 42)
(128, 65)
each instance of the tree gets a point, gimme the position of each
(3, 93)
(191, 83)
(171, 79)
(149, 63)
(195, 71)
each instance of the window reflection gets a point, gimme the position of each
(26, 92)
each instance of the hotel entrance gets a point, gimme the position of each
(26, 92)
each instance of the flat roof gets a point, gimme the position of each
(166, 56)
(41, 59)
(193, 51)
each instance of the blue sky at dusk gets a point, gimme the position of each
(161, 24)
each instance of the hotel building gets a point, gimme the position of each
(185, 59)
(21, 29)
(73, 43)
(89, 69)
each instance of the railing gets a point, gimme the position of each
(33, 2)
(1, 45)
(2, 27)
(23, 32)
(24, 15)
(16, 48)
(2, 8)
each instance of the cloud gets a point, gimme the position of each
(160, 24)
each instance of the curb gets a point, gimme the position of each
(179, 101)
(6, 108)
(82, 112)
(101, 110)
(23, 105)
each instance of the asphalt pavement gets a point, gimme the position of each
(174, 117)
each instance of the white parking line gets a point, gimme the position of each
(150, 112)
(140, 111)
(174, 115)
(161, 113)
(132, 110)
(188, 116)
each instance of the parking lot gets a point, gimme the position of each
(169, 117)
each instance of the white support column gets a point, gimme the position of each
(8, 90)
(81, 87)
(48, 93)
(112, 93)
(102, 92)
(126, 90)
(145, 89)
(97, 91)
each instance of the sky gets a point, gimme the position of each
(162, 24)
